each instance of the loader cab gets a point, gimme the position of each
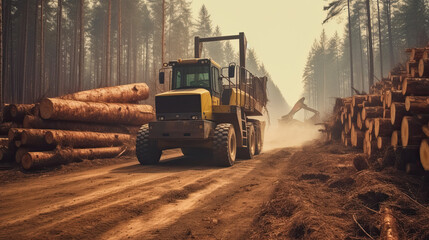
(196, 73)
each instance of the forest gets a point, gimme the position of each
(380, 30)
(56, 47)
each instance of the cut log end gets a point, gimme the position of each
(46, 108)
(395, 139)
(424, 154)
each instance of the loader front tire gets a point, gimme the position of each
(146, 149)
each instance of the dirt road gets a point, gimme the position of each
(180, 198)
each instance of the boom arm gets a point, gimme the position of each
(298, 106)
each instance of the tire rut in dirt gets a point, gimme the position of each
(101, 220)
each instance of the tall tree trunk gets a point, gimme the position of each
(109, 16)
(42, 50)
(146, 67)
(58, 81)
(135, 52)
(35, 46)
(82, 46)
(5, 41)
(389, 30)
(163, 33)
(1, 56)
(119, 42)
(371, 53)
(351, 48)
(75, 58)
(361, 55)
(130, 36)
(379, 40)
(25, 49)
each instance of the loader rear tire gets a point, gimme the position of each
(249, 151)
(224, 145)
(259, 141)
(146, 149)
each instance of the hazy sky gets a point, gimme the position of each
(281, 31)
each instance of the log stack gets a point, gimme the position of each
(98, 123)
(395, 114)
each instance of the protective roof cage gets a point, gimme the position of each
(250, 91)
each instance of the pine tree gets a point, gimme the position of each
(204, 27)
(215, 49)
(229, 54)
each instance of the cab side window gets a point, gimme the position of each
(215, 80)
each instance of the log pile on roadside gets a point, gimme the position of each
(93, 124)
(394, 115)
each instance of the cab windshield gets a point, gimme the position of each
(191, 76)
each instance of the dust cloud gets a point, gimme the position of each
(292, 134)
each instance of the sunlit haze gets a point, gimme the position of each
(282, 33)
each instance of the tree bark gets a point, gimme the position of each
(374, 100)
(115, 113)
(370, 50)
(24, 52)
(58, 82)
(372, 112)
(1, 56)
(15, 134)
(394, 96)
(379, 39)
(23, 150)
(86, 139)
(386, 113)
(32, 160)
(383, 127)
(34, 138)
(38, 123)
(417, 105)
(18, 111)
(109, 16)
(415, 86)
(6, 126)
(358, 99)
(81, 45)
(42, 49)
(411, 131)
(397, 112)
(119, 42)
(389, 30)
(129, 93)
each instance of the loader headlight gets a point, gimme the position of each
(161, 118)
(194, 117)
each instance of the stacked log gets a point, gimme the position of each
(394, 114)
(98, 123)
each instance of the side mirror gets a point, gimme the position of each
(231, 71)
(161, 77)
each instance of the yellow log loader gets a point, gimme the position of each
(206, 111)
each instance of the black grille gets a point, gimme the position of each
(178, 104)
